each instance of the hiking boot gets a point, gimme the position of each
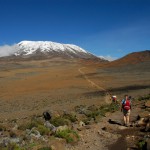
(124, 124)
(127, 125)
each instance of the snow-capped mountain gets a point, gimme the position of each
(48, 49)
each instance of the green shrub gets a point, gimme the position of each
(59, 121)
(93, 114)
(43, 130)
(141, 144)
(92, 108)
(13, 146)
(30, 125)
(86, 121)
(108, 108)
(30, 146)
(113, 107)
(2, 128)
(12, 134)
(14, 120)
(70, 117)
(69, 135)
(146, 97)
(45, 148)
(80, 109)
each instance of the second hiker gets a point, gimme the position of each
(126, 108)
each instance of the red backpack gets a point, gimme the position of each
(126, 105)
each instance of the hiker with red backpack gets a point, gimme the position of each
(114, 99)
(126, 108)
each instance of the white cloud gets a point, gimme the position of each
(108, 57)
(7, 50)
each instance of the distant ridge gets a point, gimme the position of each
(132, 58)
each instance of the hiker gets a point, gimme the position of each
(126, 108)
(114, 98)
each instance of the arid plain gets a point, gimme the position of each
(30, 87)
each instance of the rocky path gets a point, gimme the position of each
(107, 134)
(97, 137)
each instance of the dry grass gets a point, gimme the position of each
(31, 87)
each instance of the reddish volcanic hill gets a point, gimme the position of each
(133, 58)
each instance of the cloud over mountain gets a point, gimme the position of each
(7, 50)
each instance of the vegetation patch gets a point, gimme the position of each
(80, 109)
(142, 145)
(2, 128)
(31, 124)
(70, 117)
(59, 121)
(43, 130)
(69, 135)
(109, 108)
(87, 121)
(12, 146)
(45, 148)
(145, 97)
(12, 134)
(95, 112)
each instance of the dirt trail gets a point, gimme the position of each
(107, 136)
(107, 93)
(95, 138)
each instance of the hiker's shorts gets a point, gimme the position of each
(126, 112)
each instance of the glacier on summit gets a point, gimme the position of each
(46, 50)
(30, 47)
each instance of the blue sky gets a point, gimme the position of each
(103, 27)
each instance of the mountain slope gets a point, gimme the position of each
(46, 49)
(133, 58)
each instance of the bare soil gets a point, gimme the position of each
(33, 86)
(28, 88)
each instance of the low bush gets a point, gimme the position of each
(69, 135)
(45, 148)
(2, 128)
(87, 121)
(142, 145)
(93, 114)
(70, 117)
(30, 146)
(12, 134)
(43, 130)
(59, 121)
(12, 146)
(80, 109)
(146, 97)
(108, 108)
(30, 125)
(92, 108)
